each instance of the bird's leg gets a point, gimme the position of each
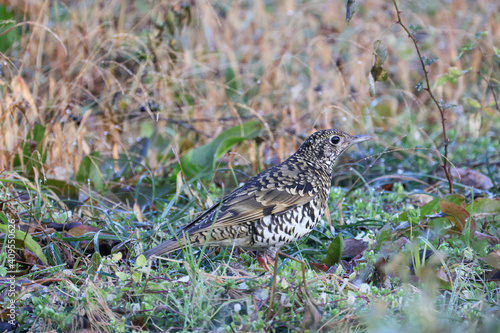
(265, 260)
(273, 286)
(262, 263)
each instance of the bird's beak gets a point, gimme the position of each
(359, 138)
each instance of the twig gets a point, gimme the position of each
(178, 159)
(491, 88)
(186, 126)
(428, 89)
(222, 119)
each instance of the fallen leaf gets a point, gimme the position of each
(319, 267)
(485, 205)
(494, 276)
(490, 239)
(312, 317)
(420, 199)
(261, 294)
(82, 230)
(334, 251)
(138, 212)
(442, 276)
(30, 257)
(353, 248)
(457, 215)
(63, 226)
(493, 259)
(472, 178)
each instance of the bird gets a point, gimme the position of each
(274, 208)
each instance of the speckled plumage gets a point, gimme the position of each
(275, 207)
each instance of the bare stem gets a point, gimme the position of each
(492, 88)
(428, 89)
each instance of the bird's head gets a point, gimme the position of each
(324, 147)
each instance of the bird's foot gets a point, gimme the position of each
(265, 261)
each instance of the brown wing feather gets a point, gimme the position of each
(273, 191)
(257, 199)
(235, 208)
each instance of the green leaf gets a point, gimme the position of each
(7, 22)
(125, 162)
(334, 252)
(231, 84)
(485, 206)
(53, 255)
(457, 199)
(147, 130)
(442, 80)
(170, 22)
(25, 238)
(379, 73)
(204, 158)
(95, 262)
(419, 86)
(91, 236)
(380, 51)
(89, 170)
(474, 103)
(32, 154)
(414, 29)
(384, 235)
(63, 189)
(428, 61)
(141, 261)
(350, 9)
(480, 34)
(417, 215)
(452, 76)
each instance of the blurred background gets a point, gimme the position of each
(122, 120)
(97, 76)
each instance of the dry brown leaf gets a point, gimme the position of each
(20, 88)
(312, 317)
(178, 185)
(490, 239)
(493, 259)
(82, 230)
(420, 199)
(353, 248)
(30, 257)
(457, 215)
(441, 275)
(138, 212)
(319, 267)
(472, 178)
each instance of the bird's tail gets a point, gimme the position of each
(166, 247)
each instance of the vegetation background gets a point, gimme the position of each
(122, 120)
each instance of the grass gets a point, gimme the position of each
(122, 121)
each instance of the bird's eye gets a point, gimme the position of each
(335, 139)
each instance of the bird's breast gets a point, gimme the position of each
(287, 227)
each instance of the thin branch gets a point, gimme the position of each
(428, 89)
(492, 88)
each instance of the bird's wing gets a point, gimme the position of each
(272, 192)
(249, 203)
